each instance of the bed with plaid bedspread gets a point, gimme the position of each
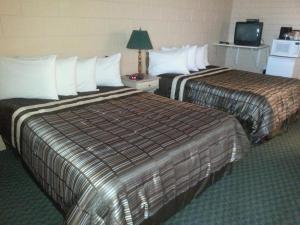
(263, 104)
(120, 156)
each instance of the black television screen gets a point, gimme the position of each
(248, 33)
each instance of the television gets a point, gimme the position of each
(248, 33)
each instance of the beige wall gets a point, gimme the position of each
(102, 27)
(274, 14)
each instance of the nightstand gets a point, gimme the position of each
(149, 83)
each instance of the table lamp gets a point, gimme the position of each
(140, 40)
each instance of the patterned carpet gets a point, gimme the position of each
(264, 188)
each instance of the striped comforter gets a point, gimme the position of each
(120, 156)
(263, 104)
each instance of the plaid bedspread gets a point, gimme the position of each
(263, 104)
(120, 156)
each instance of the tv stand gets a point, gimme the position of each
(252, 49)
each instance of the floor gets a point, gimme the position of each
(263, 188)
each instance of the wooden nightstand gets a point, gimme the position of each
(149, 83)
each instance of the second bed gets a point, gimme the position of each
(263, 104)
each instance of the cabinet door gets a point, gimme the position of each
(280, 66)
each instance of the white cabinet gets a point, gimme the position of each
(284, 60)
(281, 66)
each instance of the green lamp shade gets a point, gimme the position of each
(139, 39)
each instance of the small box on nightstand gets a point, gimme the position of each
(149, 83)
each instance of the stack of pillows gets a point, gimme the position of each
(178, 60)
(49, 77)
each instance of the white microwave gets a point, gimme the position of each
(286, 48)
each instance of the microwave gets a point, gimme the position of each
(286, 48)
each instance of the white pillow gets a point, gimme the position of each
(28, 78)
(85, 75)
(190, 52)
(108, 71)
(206, 55)
(200, 58)
(66, 76)
(185, 50)
(191, 59)
(173, 61)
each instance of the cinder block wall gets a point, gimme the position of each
(103, 27)
(274, 14)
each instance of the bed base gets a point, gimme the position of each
(183, 199)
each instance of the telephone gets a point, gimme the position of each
(136, 76)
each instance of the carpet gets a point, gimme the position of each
(263, 188)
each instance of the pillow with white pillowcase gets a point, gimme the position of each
(206, 55)
(108, 71)
(66, 76)
(173, 61)
(190, 55)
(185, 50)
(28, 78)
(200, 58)
(86, 75)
